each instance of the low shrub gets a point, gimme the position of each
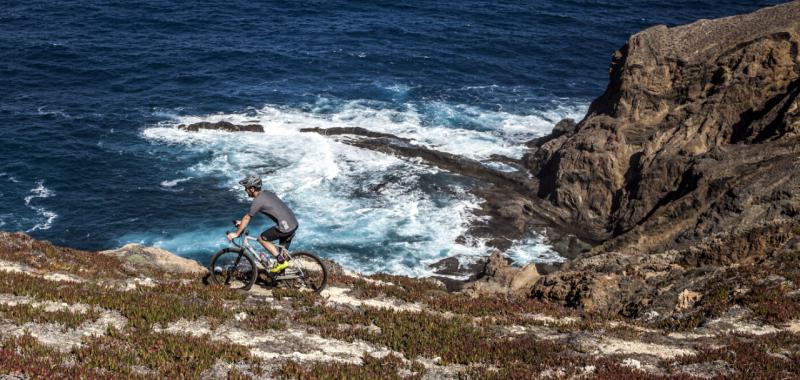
(261, 318)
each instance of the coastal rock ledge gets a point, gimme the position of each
(688, 164)
(136, 255)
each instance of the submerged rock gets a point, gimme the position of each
(459, 266)
(222, 126)
(506, 195)
(358, 131)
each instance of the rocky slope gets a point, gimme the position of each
(688, 164)
(71, 314)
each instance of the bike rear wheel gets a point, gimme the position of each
(232, 268)
(310, 270)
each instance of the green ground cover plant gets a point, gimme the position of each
(487, 337)
(773, 356)
(163, 355)
(389, 367)
(27, 356)
(26, 313)
(142, 306)
(45, 256)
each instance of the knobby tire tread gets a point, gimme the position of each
(321, 264)
(251, 280)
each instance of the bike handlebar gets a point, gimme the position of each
(242, 236)
(236, 224)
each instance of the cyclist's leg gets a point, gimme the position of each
(286, 240)
(266, 239)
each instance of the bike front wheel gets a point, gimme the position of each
(231, 267)
(310, 270)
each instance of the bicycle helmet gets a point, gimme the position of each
(251, 180)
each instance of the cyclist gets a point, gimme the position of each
(267, 203)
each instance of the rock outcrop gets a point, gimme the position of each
(500, 277)
(696, 141)
(222, 126)
(511, 213)
(136, 255)
(690, 113)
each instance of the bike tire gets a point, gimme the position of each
(231, 267)
(315, 273)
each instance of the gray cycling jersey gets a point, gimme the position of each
(270, 205)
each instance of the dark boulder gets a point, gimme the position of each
(222, 126)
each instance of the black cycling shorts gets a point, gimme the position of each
(283, 238)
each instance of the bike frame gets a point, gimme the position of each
(249, 251)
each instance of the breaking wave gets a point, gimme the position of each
(370, 211)
(46, 216)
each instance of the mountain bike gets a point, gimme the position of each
(238, 267)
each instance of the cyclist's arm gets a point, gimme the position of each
(243, 224)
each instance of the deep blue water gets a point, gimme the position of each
(90, 93)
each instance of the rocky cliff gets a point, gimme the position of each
(696, 134)
(689, 160)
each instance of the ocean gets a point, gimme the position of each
(91, 92)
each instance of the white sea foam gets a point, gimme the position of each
(40, 191)
(10, 177)
(500, 166)
(459, 129)
(533, 250)
(351, 201)
(328, 185)
(174, 182)
(44, 111)
(463, 130)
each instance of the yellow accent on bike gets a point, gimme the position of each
(279, 266)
